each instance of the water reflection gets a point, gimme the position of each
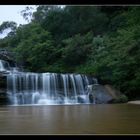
(70, 119)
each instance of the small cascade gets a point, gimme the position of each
(4, 66)
(1, 66)
(47, 88)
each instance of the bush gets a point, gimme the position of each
(121, 99)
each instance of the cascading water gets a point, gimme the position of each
(47, 88)
(4, 66)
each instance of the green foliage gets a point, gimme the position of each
(8, 24)
(26, 13)
(35, 47)
(76, 49)
(121, 99)
(99, 40)
(70, 20)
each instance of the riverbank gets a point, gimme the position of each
(134, 102)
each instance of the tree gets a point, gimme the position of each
(8, 25)
(76, 49)
(35, 45)
(27, 13)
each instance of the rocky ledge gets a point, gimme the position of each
(134, 102)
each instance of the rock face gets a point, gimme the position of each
(6, 63)
(7, 56)
(117, 96)
(104, 94)
(3, 89)
(112, 91)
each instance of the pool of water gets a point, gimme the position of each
(70, 119)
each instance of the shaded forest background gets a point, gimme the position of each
(99, 40)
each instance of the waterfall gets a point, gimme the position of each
(47, 88)
(4, 66)
(1, 66)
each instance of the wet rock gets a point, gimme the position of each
(3, 89)
(80, 100)
(104, 94)
(114, 93)
(91, 98)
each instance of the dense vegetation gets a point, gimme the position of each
(99, 40)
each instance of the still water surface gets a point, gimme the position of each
(71, 119)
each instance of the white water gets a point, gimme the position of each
(4, 66)
(47, 88)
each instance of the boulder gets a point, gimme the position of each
(104, 94)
